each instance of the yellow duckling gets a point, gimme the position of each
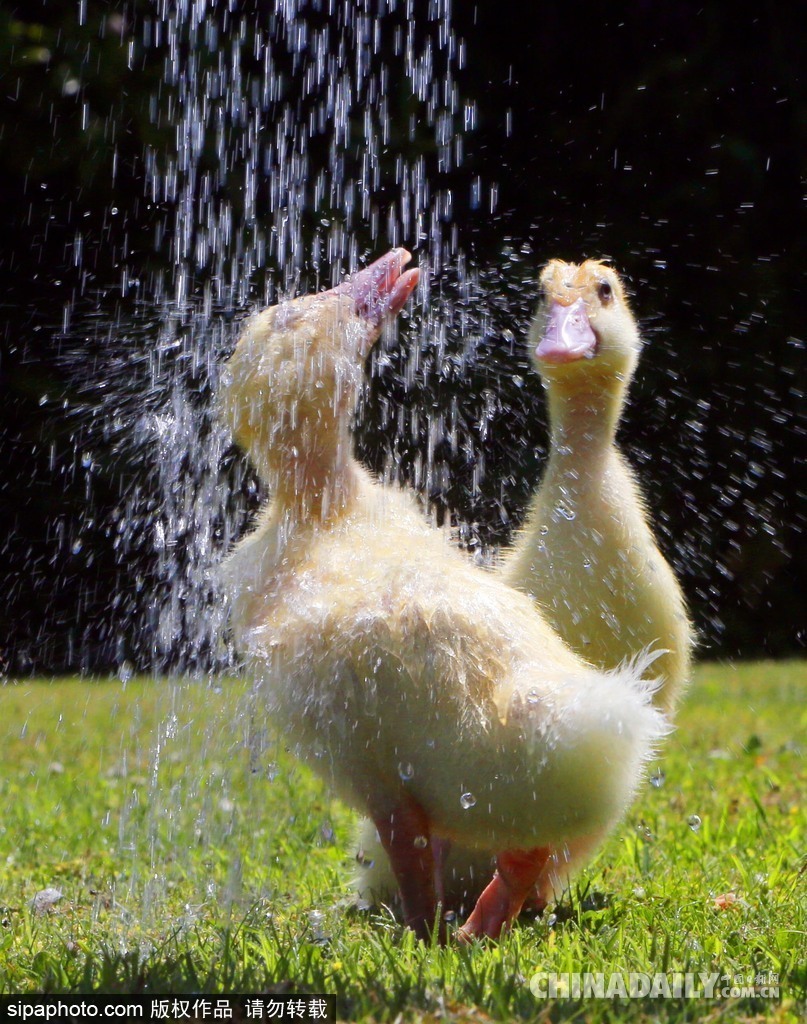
(587, 554)
(431, 695)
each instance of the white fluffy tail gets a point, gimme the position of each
(604, 736)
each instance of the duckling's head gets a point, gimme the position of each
(583, 334)
(292, 383)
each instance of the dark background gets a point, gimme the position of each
(670, 138)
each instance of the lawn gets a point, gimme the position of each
(193, 855)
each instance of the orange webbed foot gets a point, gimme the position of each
(499, 905)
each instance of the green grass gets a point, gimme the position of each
(190, 862)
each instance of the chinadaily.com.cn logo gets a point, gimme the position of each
(637, 985)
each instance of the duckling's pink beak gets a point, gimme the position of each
(568, 335)
(382, 289)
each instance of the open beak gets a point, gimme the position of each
(568, 335)
(382, 289)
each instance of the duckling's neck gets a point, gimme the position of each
(583, 422)
(316, 488)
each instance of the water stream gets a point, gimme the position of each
(309, 138)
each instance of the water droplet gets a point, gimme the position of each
(449, 916)
(363, 860)
(657, 778)
(125, 671)
(566, 512)
(694, 822)
(272, 771)
(76, 548)
(467, 801)
(421, 842)
(533, 695)
(406, 771)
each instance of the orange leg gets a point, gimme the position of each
(405, 837)
(515, 879)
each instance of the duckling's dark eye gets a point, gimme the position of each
(605, 292)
